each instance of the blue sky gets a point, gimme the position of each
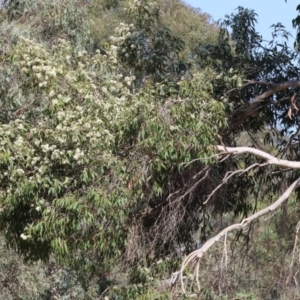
(269, 12)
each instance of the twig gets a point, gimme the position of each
(197, 159)
(228, 175)
(249, 82)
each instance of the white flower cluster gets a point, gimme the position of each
(19, 141)
(20, 171)
(79, 154)
(24, 236)
(84, 104)
(36, 62)
(46, 148)
(129, 80)
(123, 31)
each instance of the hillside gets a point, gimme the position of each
(133, 134)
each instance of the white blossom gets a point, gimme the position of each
(19, 141)
(24, 237)
(20, 171)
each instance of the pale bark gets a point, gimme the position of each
(272, 160)
(196, 255)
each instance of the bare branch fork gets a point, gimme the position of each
(196, 255)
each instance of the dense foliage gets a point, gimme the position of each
(107, 133)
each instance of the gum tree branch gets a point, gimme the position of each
(277, 88)
(197, 254)
(272, 160)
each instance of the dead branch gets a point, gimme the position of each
(272, 160)
(295, 250)
(197, 254)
